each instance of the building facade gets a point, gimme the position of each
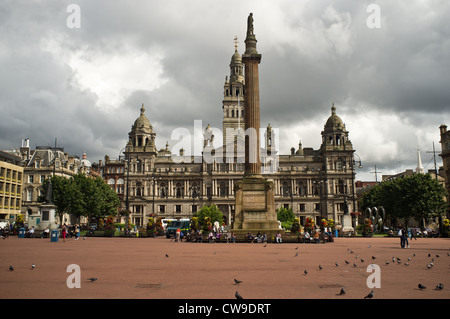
(445, 154)
(314, 183)
(42, 163)
(11, 184)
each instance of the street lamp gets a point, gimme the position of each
(127, 191)
(194, 192)
(353, 162)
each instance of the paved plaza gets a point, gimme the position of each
(139, 268)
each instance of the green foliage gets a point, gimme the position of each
(286, 217)
(206, 216)
(419, 196)
(81, 196)
(295, 228)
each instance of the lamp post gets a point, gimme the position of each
(127, 190)
(194, 192)
(353, 162)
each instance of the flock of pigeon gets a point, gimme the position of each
(370, 295)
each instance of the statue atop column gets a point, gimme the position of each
(250, 24)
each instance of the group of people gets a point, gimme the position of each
(259, 238)
(403, 234)
(73, 232)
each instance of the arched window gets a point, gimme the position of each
(285, 189)
(178, 190)
(302, 189)
(222, 189)
(232, 113)
(162, 190)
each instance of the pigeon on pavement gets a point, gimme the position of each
(238, 296)
(237, 282)
(92, 279)
(421, 286)
(11, 268)
(439, 286)
(370, 295)
(342, 292)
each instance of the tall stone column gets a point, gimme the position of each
(251, 59)
(254, 195)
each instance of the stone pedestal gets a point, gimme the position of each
(255, 207)
(47, 213)
(347, 223)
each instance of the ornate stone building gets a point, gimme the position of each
(315, 183)
(445, 154)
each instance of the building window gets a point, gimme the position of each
(29, 195)
(285, 189)
(162, 208)
(339, 165)
(302, 207)
(223, 190)
(162, 190)
(178, 208)
(194, 208)
(179, 190)
(30, 178)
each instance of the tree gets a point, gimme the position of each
(286, 217)
(81, 196)
(417, 196)
(207, 215)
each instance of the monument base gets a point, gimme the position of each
(255, 206)
(47, 213)
(347, 223)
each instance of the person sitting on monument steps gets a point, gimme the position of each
(250, 237)
(306, 237)
(278, 238)
(316, 237)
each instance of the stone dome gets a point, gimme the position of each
(334, 122)
(142, 122)
(85, 162)
(236, 58)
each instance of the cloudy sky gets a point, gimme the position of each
(84, 84)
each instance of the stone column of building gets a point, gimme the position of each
(251, 59)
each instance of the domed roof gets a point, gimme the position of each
(334, 121)
(85, 162)
(236, 58)
(142, 121)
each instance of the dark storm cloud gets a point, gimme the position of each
(314, 53)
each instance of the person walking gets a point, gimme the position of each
(405, 234)
(64, 232)
(77, 232)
